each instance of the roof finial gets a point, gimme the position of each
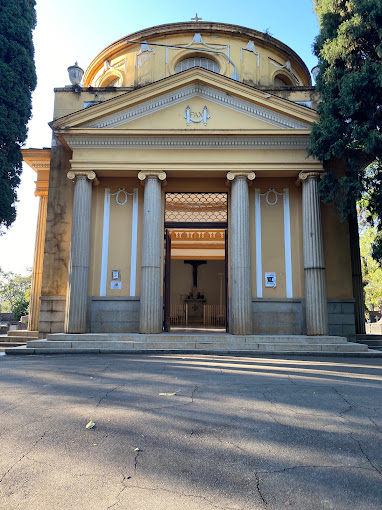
(196, 18)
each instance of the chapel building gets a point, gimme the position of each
(178, 194)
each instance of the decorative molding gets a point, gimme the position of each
(276, 194)
(72, 174)
(159, 175)
(144, 48)
(105, 242)
(233, 175)
(259, 264)
(250, 47)
(39, 166)
(119, 192)
(198, 39)
(203, 117)
(287, 245)
(41, 193)
(287, 67)
(189, 142)
(303, 175)
(134, 244)
(205, 92)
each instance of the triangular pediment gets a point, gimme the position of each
(193, 106)
(194, 99)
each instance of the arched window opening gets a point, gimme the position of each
(281, 80)
(113, 81)
(206, 63)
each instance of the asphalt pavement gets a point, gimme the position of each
(190, 432)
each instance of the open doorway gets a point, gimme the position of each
(195, 282)
(195, 276)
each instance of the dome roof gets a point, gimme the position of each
(237, 52)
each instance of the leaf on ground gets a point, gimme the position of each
(167, 394)
(90, 425)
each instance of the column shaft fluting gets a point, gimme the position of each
(314, 265)
(78, 275)
(34, 305)
(241, 288)
(151, 306)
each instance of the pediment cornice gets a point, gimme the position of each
(229, 93)
(82, 141)
(204, 92)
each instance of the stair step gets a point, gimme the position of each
(11, 344)
(215, 339)
(23, 333)
(199, 346)
(21, 339)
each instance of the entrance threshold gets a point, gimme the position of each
(202, 330)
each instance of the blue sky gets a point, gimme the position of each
(77, 30)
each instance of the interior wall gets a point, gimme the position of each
(208, 281)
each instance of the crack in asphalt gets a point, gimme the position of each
(124, 487)
(23, 456)
(364, 453)
(136, 460)
(192, 398)
(259, 489)
(181, 494)
(108, 393)
(193, 393)
(307, 466)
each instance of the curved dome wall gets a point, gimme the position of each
(239, 53)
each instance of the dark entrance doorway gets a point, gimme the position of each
(195, 272)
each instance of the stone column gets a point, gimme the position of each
(78, 274)
(34, 306)
(241, 277)
(151, 306)
(316, 303)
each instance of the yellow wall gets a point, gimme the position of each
(133, 65)
(120, 236)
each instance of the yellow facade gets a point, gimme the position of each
(254, 115)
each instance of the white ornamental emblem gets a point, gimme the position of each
(196, 116)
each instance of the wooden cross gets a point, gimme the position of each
(196, 18)
(195, 264)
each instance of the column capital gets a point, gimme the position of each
(245, 174)
(142, 176)
(307, 174)
(90, 174)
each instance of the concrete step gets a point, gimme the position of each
(20, 339)
(7, 345)
(182, 338)
(373, 341)
(219, 343)
(200, 345)
(23, 333)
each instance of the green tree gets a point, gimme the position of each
(15, 293)
(349, 49)
(371, 270)
(17, 82)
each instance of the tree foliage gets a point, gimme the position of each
(349, 49)
(371, 270)
(14, 293)
(17, 82)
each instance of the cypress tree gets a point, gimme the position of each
(349, 49)
(17, 82)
